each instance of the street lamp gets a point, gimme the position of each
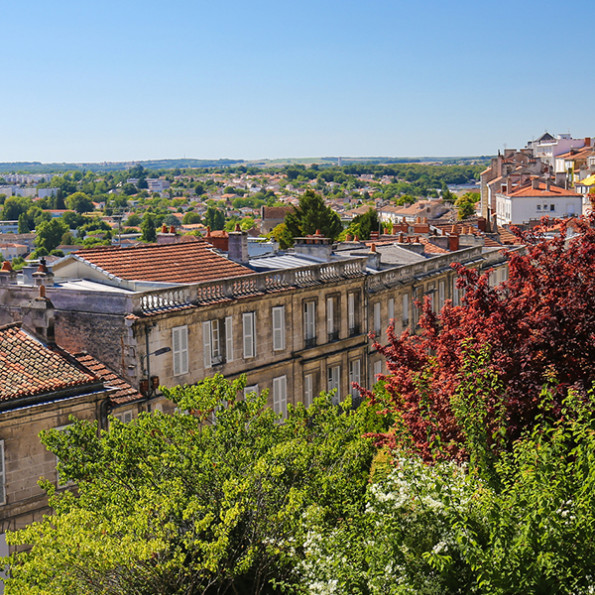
(149, 385)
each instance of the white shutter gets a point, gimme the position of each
(330, 315)
(228, 339)
(351, 310)
(377, 323)
(179, 339)
(308, 389)
(391, 310)
(354, 376)
(206, 339)
(278, 328)
(2, 474)
(440, 294)
(405, 309)
(249, 343)
(280, 395)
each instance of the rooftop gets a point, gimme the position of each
(30, 368)
(185, 262)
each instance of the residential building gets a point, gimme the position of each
(533, 200)
(41, 387)
(295, 323)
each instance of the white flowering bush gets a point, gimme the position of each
(445, 528)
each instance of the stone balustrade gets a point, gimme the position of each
(158, 300)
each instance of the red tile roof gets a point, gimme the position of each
(29, 368)
(124, 393)
(430, 248)
(184, 262)
(541, 190)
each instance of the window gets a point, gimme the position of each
(539, 207)
(2, 474)
(308, 389)
(179, 340)
(278, 328)
(333, 382)
(353, 313)
(218, 341)
(332, 318)
(440, 294)
(280, 395)
(124, 417)
(310, 323)
(405, 314)
(248, 319)
(354, 376)
(253, 388)
(61, 482)
(552, 207)
(456, 296)
(391, 311)
(377, 323)
(377, 370)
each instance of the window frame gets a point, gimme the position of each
(278, 318)
(249, 338)
(180, 355)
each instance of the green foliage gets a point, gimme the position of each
(210, 501)
(466, 204)
(363, 225)
(14, 206)
(281, 234)
(191, 218)
(214, 218)
(311, 215)
(147, 227)
(49, 234)
(79, 202)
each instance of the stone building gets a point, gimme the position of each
(295, 323)
(41, 387)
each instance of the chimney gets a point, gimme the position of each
(494, 223)
(7, 275)
(453, 242)
(587, 141)
(535, 183)
(38, 317)
(481, 224)
(238, 246)
(373, 258)
(547, 184)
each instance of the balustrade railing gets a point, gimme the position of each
(153, 301)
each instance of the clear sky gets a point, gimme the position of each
(129, 80)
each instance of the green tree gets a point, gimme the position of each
(210, 501)
(14, 206)
(191, 218)
(311, 215)
(79, 202)
(147, 227)
(49, 234)
(214, 218)
(362, 225)
(466, 203)
(23, 223)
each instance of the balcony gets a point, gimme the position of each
(310, 342)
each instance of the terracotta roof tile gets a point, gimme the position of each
(183, 262)
(124, 393)
(29, 368)
(541, 190)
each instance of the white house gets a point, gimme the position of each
(534, 200)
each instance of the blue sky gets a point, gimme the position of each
(130, 80)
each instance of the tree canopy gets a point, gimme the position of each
(538, 328)
(209, 501)
(311, 215)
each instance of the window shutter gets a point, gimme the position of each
(330, 315)
(228, 339)
(206, 337)
(248, 320)
(2, 474)
(391, 309)
(278, 328)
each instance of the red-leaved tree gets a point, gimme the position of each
(536, 328)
